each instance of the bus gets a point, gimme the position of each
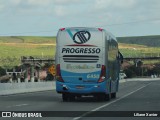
(87, 63)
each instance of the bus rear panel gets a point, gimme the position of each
(82, 62)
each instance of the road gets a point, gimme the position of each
(132, 96)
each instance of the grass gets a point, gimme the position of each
(134, 50)
(27, 39)
(12, 48)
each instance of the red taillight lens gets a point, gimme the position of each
(103, 74)
(62, 29)
(58, 73)
(100, 29)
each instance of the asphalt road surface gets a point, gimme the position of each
(137, 97)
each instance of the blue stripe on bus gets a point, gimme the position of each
(69, 75)
(70, 33)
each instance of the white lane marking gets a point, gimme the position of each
(98, 108)
(139, 79)
(17, 105)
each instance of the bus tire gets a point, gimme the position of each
(78, 96)
(101, 97)
(72, 97)
(108, 97)
(98, 97)
(113, 95)
(65, 97)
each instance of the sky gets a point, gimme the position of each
(46, 17)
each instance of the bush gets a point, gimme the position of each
(2, 71)
(130, 72)
(134, 71)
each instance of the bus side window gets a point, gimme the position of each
(120, 57)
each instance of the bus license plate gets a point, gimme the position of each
(80, 87)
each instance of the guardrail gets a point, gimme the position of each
(14, 88)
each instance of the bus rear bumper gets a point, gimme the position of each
(81, 88)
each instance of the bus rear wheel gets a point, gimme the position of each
(65, 97)
(103, 97)
(68, 97)
(113, 95)
(107, 97)
(72, 97)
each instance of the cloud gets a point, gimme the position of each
(1, 7)
(101, 4)
(59, 8)
(113, 11)
(126, 4)
(60, 11)
(43, 2)
(123, 4)
(30, 2)
(67, 8)
(127, 10)
(78, 12)
(64, 2)
(26, 7)
(15, 2)
(39, 2)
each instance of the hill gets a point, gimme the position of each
(151, 41)
(27, 39)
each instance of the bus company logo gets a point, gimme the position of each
(81, 37)
(80, 67)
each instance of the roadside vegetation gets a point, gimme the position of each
(150, 41)
(14, 47)
(135, 50)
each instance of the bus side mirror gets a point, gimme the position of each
(120, 57)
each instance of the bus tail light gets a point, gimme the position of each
(100, 29)
(103, 74)
(58, 73)
(62, 29)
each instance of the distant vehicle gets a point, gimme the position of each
(87, 63)
(122, 76)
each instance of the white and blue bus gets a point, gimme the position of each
(87, 63)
